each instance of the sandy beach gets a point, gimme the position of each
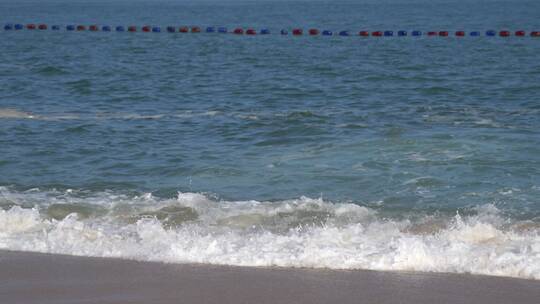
(44, 278)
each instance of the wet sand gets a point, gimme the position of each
(42, 278)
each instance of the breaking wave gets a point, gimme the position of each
(304, 232)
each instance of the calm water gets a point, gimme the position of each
(340, 152)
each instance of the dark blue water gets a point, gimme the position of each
(403, 126)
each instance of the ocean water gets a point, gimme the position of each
(326, 152)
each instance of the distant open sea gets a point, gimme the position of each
(403, 153)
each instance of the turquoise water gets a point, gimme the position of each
(215, 146)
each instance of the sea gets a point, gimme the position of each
(391, 153)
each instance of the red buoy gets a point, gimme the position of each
(42, 26)
(377, 34)
(520, 33)
(238, 31)
(81, 28)
(363, 33)
(535, 34)
(432, 33)
(132, 28)
(460, 33)
(504, 33)
(93, 28)
(297, 32)
(183, 29)
(146, 28)
(31, 26)
(313, 32)
(251, 32)
(443, 33)
(195, 29)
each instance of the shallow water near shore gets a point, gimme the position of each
(336, 152)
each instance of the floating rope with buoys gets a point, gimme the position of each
(266, 31)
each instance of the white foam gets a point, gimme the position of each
(292, 233)
(15, 114)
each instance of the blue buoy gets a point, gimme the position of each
(388, 33)
(265, 32)
(55, 27)
(106, 28)
(475, 34)
(344, 33)
(18, 26)
(120, 28)
(416, 33)
(402, 33)
(284, 32)
(8, 27)
(210, 29)
(491, 33)
(171, 29)
(327, 33)
(222, 30)
(70, 27)
(156, 29)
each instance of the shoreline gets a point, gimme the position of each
(48, 278)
